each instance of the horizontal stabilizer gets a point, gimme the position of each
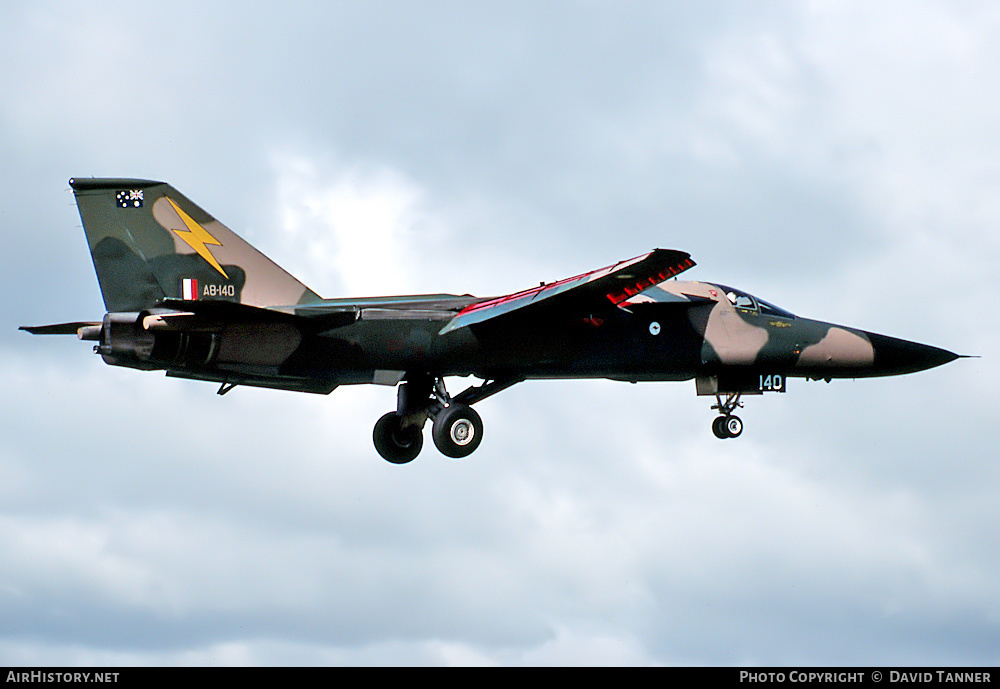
(217, 310)
(60, 328)
(231, 311)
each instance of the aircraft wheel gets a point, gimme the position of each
(457, 431)
(719, 428)
(734, 426)
(395, 444)
(727, 427)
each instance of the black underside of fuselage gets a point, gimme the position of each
(613, 344)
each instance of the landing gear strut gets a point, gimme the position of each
(727, 425)
(457, 429)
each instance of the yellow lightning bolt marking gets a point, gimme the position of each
(197, 237)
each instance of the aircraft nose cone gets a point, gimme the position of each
(894, 356)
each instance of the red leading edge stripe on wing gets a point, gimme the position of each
(642, 284)
(624, 287)
(523, 294)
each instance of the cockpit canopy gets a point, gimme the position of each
(748, 302)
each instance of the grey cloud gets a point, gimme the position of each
(148, 521)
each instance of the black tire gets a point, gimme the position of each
(457, 431)
(719, 427)
(395, 444)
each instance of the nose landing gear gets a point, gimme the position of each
(727, 425)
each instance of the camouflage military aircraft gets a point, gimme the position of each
(186, 295)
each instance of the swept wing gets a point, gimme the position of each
(601, 288)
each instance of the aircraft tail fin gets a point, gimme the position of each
(150, 243)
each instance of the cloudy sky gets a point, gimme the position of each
(840, 159)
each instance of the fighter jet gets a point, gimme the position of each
(186, 295)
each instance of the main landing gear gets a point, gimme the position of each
(397, 443)
(727, 425)
(457, 429)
